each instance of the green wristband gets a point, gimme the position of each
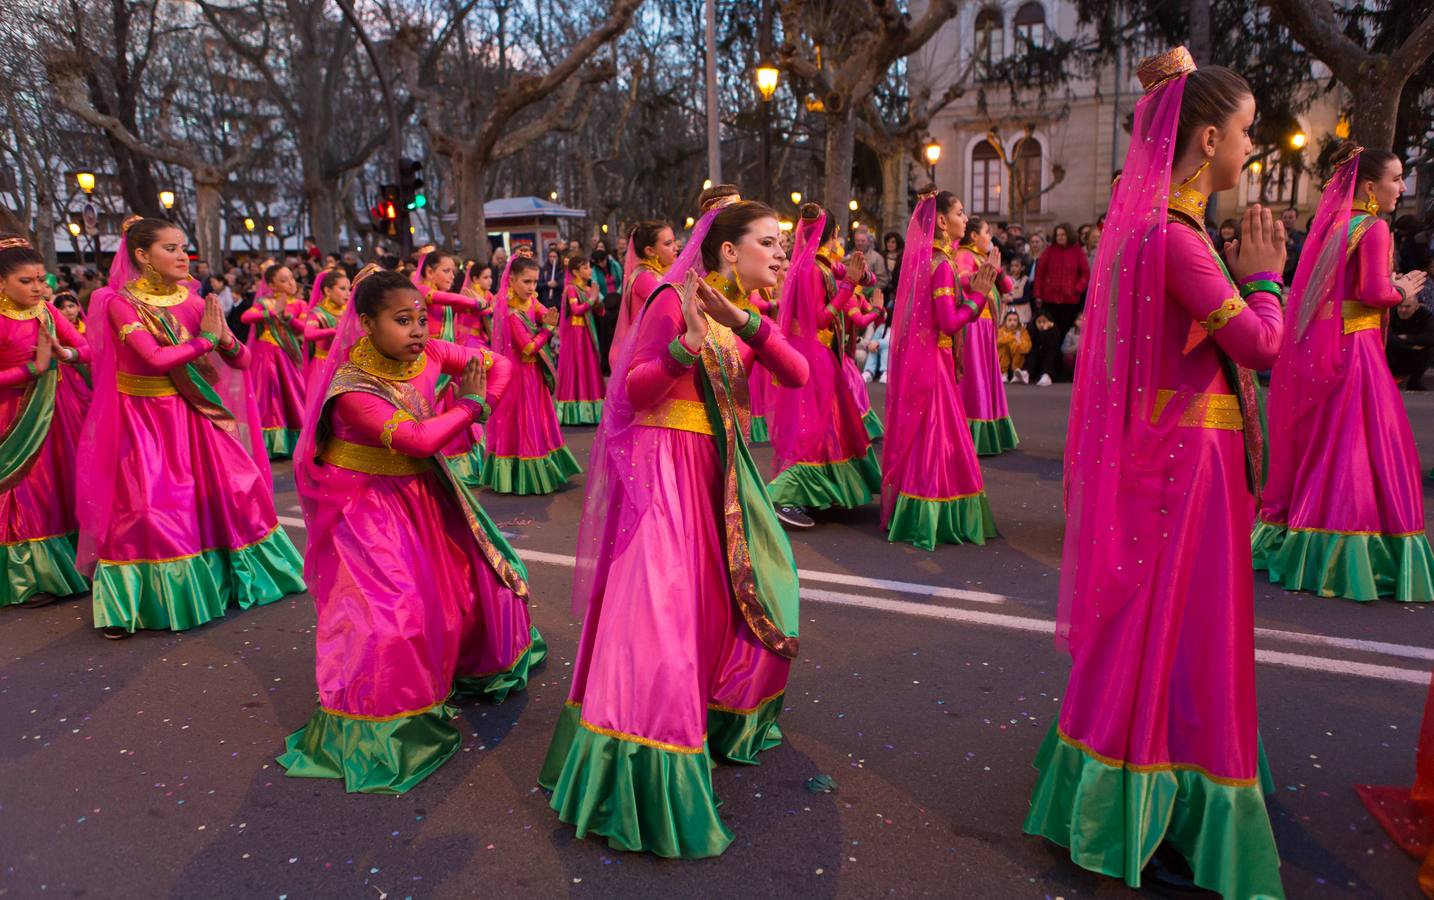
(482, 404)
(680, 353)
(754, 321)
(972, 305)
(1265, 285)
(211, 337)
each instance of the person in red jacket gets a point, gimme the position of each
(1061, 276)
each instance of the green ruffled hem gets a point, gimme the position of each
(544, 475)
(496, 686)
(848, 484)
(760, 434)
(993, 436)
(926, 523)
(468, 467)
(1112, 819)
(185, 593)
(874, 428)
(1359, 567)
(279, 443)
(372, 757)
(45, 566)
(579, 412)
(737, 737)
(639, 797)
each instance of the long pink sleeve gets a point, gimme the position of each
(1251, 337)
(451, 359)
(951, 318)
(577, 304)
(861, 320)
(435, 297)
(518, 326)
(147, 348)
(254, 314)
(370, 417)
(770, 348)
(314, 330)
(70, 337)
(1374, 281)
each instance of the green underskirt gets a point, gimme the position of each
(45, 566)
(579, 412)
(496, 686)
(544, 475)
(849, 483)
(872, 421)
(926, 523)
(993, 436)
(372, 757)
(737, 737)
(279, 443)
(468, 467)
(638, 797)
(1113, 818)
(185, 593)
(760, 434)
(1359, 567)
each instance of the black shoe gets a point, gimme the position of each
(794, 517)
(38, 600)
(115, 632)
(1168, 869)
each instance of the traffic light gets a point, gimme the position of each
(385, 213)
(410, 186)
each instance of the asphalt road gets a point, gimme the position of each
(144, 768)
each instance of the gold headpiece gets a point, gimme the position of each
(128, 223)
(721, 200)
(1349, 154)
(1156, 70)
(365, 272)
(424, 250)
(10, 243)
(927, 194)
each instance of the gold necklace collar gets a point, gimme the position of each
(161, 294)
(1189, 202)
(11, 309)
(653, 264)
(366, 357)
(726, 287)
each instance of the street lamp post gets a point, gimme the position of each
(932, 152)
(767, 76)
(86, 181)
(166, 199)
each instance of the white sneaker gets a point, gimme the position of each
(866, 376)
(883, 378)
(1044, 382)
(1024, 376)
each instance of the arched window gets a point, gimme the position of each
(989, 36)
(1030, 23)
(1028, 173)
(985, 180)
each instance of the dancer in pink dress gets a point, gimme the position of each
(651, 249)
(473, 328)
(416, 590)
(175, 501)
(327, 302)
(526, 453)
(821, 454)
(43, 401)
(580, 385)
(684, 573)
(1154, 766)
(859, 316)
(451, 314)
(276, 323)
(983, 390)
(932, 491)
(1343, 514)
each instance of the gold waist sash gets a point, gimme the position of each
(578, 321)
(986, 312)
(1358, 317)
(371, 460)
(1220, 411)
(321, 352)
(145, 385)
(945, 340)
(268, 337)
(679, 415)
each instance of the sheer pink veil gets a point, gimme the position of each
(1312, 359)
(502, 343)
(615, 501)
(911, 378)
(316, 293)
(630, 269)
(801, 417)
(1118, 482)
(417, 276)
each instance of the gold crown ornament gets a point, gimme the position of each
(1349, 154)
(128, 223)
(365, 272)
(721, 200)
(11, 243)
(1157, 70)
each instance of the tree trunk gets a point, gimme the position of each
(206, 217)
(840, 156)
(1199, 17)
(45, 225)
(472, 188)
(1376, 105)
(895, 176)
(323, 219)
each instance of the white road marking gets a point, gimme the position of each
(1035, 625)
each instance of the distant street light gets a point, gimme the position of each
(767, 76)
(706, 183)
(248, 224)
(86, 180)
(1257, 167)
(1298, 140)
(796, 197)
(853, 206)
(690, 222)
(785, 225)
(74, 229)
(166, 199)
(553, 195)
(932, 152)
(269, 228)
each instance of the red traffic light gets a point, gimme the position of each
(390, 210)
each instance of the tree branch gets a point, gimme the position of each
(1314, 24)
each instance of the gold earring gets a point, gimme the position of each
(1371, 205)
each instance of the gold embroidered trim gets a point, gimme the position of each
(1399, 534)
(130, 328)
(1219, 411)
(389, 427)
(1358, 317)
(371, 460)
(679, 415)
(393, 718)
(717, 707)
(1221, 315)
(635, 739)
(911, 496)
(13, 310)
(944, 292)
(366, 358)
(946, 341)
(145, 385)
(1154, 767)
(184, 556)
(37, 540)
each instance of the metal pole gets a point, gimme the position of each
(767, 152)
(714, 141)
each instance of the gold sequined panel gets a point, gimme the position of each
(945, 340)
(1221, 315)
(986, 312)
(679, 415)
(1219, 411)
(1358, 317)
(145, 385)
(943, 292)
(371, 460)
(398, 418)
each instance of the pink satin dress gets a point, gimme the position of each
(580, 383)
(464, 318)
(279, 383)
(983, 392)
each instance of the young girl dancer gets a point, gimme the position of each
(983, 390)
(416, 589)
(276, 321)
(580, 385)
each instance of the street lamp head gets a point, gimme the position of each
(166, 199)
(706, 183)
(269, 228)
(74, 228)
(853, 206)
(767, 75)
(553, 195)
(1298, 140)
(796, 197)
(86, 181)
(248, 223)
(1257, 167)
(932, 152)
(690, 222)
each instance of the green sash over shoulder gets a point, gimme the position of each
(446, 333)
(759, 556)
(21, 442)
(192, 380)
(546, 364)
(284, 336)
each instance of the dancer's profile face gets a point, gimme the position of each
(757, 257)
(1230, 145)
(585, 271)
(167, 255)
(400, 328)
(284, 283)
(666, 247)
(485, 280)
(25, 284)
(1387, 189)
(336, 289)
(440, 274)
(525, 284)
